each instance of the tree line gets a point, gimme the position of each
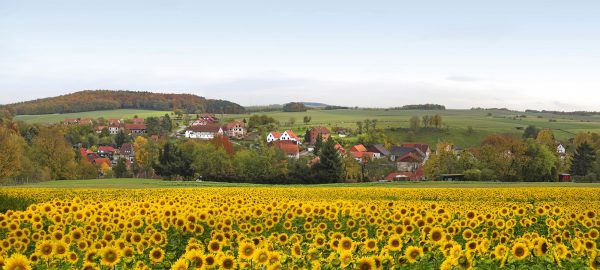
(93, 100)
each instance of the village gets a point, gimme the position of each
(403, 162)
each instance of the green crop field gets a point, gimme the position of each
(156, 183)
(120, 114)
(456, 123)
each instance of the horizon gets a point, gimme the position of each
(541, 55)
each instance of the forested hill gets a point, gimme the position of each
(94, 100)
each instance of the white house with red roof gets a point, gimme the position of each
(203, 132)
(287, 135)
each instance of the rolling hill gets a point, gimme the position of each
(96, 100)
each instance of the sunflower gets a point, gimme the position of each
(45, 249)
(370, 245)
(413, 253)
(60, 248)
(157, 255)
(500, 252)
(346, 244)
(17, 262)
(560, 251)
(246, 250)
(520, 251)
(365, 263)
(181, 264)
(595, 262)
(261, 256)
(110, 256)
(210, 260)
(214, 246)
(395, 243)
(437, 235)
(227, 262)
(540, 247)
(345, 259)
(196, 258)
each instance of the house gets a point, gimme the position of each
(114, 129)
(106, 151)
(99, 129)
(235, 129)
(290, 148)
(316, 131)
(126, 151)
(380, 149)
(205, 119)
(71, 121)
(273, 136)
(204, 132)
(361, 154)
(342, 132)
(136, 129)
(137, 121)
(287, 135)
(560, 149)
(340, 149)
(99, 161)
(86, 121)
(114, 122)
(409, 157)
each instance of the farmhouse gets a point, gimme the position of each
(287, 135)
(106, 151)
(71, 121)
(205, 119)
(288, 147)
(204, 132)
(235, 129)
(409, 157)
(114, 129)
(126, 151)
(360, 153)
(137, 121)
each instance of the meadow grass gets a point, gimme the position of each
(119, 114)
(138, 183)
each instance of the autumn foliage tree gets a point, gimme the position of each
(52, 151)
(11, 151)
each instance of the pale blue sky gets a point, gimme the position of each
(516, 54)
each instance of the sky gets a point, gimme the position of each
(462, 54)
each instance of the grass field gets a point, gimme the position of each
(395, 122)
(456, 121)
(120, 114)
(154, 183)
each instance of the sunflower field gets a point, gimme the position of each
(303, 228)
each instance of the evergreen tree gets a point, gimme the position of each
(583, 159)
(318, 144)
(329, 169)
(121, 138)
(120, 169)
(530, 132)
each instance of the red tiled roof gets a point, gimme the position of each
(86, 121)
(135, 126)
(83, 152)
(287, 147)
(363, 154)
(138, 120)
(106, 149)
(99, 161)
(233, 124)
(321, 130)
(358, 148)
(276, 134)
(205, 128)
(100, 128)
(410, 155)
(292, 134)
(71, 120)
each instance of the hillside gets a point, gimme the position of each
(95, 100)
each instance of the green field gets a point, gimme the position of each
(456, 123)
(395, 122)
(155, 183)
(119, 114)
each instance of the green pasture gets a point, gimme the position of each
(156, 183)
(119, 114)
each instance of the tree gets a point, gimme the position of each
(294, 107)
(437, 121)
(444, 161)
(171, 164)
(52, 151)
(329, 168)
(105, 169)
(541, 164)
(120, 169)
(546, 137)
(11, 151)
(306, 119)
(426, 121)
(146, 154)
(415, 123)
(582, 160)
(530, 132)
(359, 127)
(121, 138)
(86, 170)
(318, 144)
